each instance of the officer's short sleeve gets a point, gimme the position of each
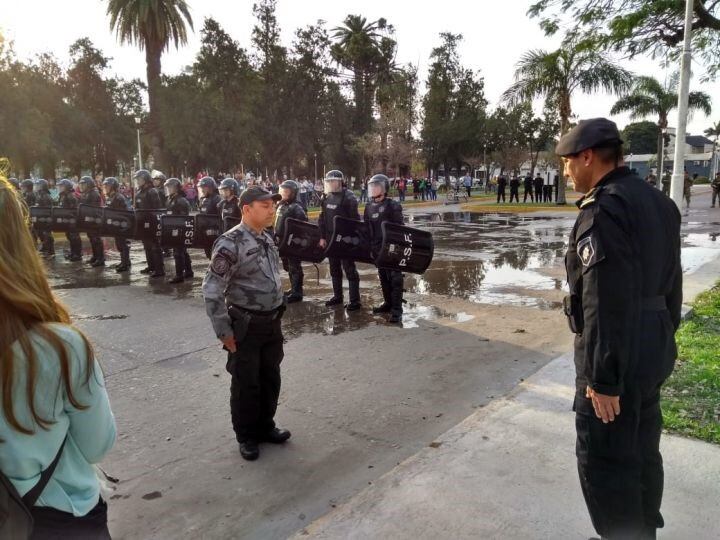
(223, 261)
(610, 295)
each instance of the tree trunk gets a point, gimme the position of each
(153, 53)
(565, 113)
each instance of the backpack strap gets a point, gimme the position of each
(31, 497)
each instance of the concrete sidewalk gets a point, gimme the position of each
(508, 471)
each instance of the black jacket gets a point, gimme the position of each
(377, 213)
(514, 184)
(117, 201)
(67, 200)
(230, 208)
(178, 205)
(342, 204)
(147, 199)
(29, 197)
(44, 199)
(625, 278)
(209, 205)
(91, 198)
(287, 210)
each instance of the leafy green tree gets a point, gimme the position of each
(648, 97)
(640, 137)
(152, 25)
(636, 27)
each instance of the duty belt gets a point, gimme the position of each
(258, 317)
(654, 303)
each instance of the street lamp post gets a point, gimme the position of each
(315, 157)
(137, 123)
(661, 165)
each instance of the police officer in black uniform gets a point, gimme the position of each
(501, 185)
(178, 205)
(29, 198)
(158, 180)
(229, 206)
(538, 183)
(117, 201)
(528, 185)
(515, 189)
(381, 208)
(147, 198)
(43, 199)
(625, 280)
(90, 195)
(67, 199)
(339, 201)
(244, 300)
(208, 202)
(289, 207)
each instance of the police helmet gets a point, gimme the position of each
(41, 185)
(231, 184)
(14, 183)
(294, 188)
(207, 182)
(334, 181)
(378, 185)
(112, 183)
(27, 184)
(142, 177)
(173, 185)
(159, 176)
(86, 183)
(65, 185)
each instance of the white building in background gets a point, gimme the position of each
(700, 157)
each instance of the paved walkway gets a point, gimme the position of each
(508, 471)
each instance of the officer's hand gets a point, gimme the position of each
(322, 243)
(606, 407)
(229, 343)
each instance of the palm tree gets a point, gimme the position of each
(557, 75)
(648, 97)
(357, 48)
(152, 25)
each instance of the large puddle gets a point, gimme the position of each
(500, 259)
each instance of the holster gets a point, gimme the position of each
(240, 323)
(572, 307)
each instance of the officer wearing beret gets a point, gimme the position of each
(244, 300)
(625, 280)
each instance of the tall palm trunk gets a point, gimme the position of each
(153, 53)
(565, 113)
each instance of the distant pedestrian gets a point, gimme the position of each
(715, 188)
(401, 187)
(467, 183)
(687, 189)
(434, 187)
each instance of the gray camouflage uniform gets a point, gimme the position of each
(245, 271)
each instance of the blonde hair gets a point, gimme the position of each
(27, 304)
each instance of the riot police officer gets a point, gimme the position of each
(381, 208)
(147, 198)
(117, 201)
(158, 180)
(244, 300)
(501, 184)
(229, 206)
(43, 199)
(15, 183)
(29, 198)
(289, 207)
(209, 201)
(625, 281)
(339, 201)
(528, 185)
(515, 189)
(178, 205)
(89, 195)
(67, 199)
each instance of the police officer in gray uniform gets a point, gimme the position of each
(244, 300)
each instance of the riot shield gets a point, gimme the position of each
(405, 249)
(349, 240)
(64, 219)
(300, 240)
(207, 229)
(230, 222)
(118, 223)
(147, 225)
(90, 219)
(177, 231)
(41, 217)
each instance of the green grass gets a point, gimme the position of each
(691, 396)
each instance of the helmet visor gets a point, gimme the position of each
(287, 193)
(376, 189)
(332, 185)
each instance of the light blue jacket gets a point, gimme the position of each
(74, 486)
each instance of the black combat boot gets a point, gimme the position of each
(249, 449)
(122, 267)
(276, 436)
(354, 289)
(296, 290)
(337, 298)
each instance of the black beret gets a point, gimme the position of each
(590, 133)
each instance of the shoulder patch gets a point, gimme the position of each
(587, 250)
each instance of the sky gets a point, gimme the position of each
(494, 38)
